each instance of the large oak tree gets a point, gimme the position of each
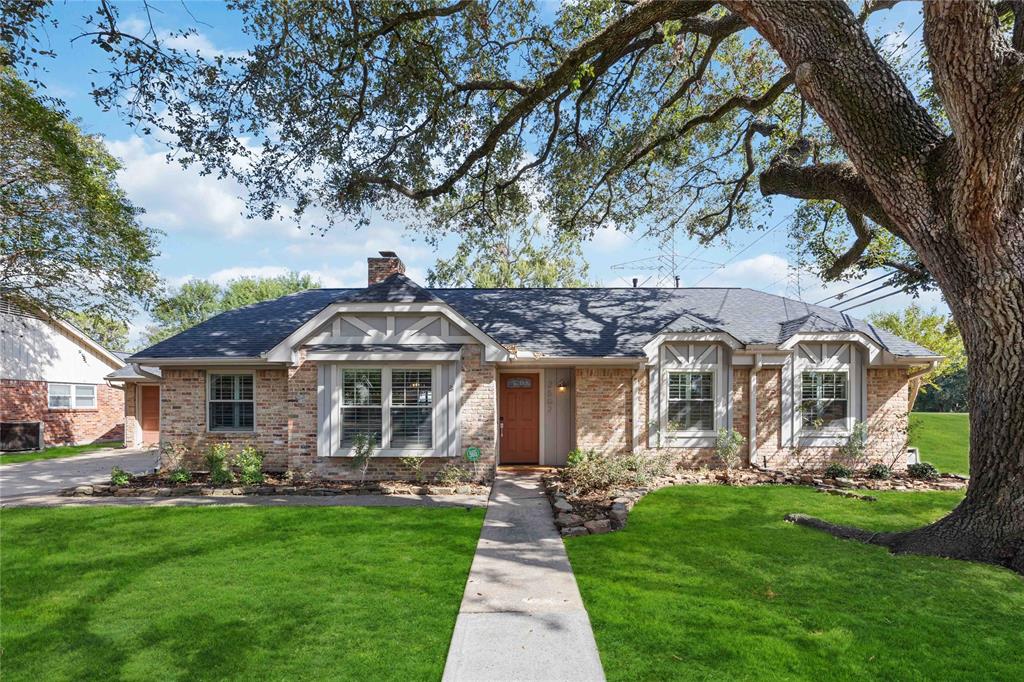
(651, 114)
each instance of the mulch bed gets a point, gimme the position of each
(158, 485)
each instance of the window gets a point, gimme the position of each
(231, 403)
(824, 400)
(361, 406)
(411, 408)
(72, 396)
(691, 401)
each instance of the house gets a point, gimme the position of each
(523, 376)
(52, 378)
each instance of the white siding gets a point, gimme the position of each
(35, 350)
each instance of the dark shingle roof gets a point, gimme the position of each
(385, 347)
(561, 322)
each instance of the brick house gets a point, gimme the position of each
(523, 376)
(52, 378)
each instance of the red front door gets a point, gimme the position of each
(149, 413)
(519, 419)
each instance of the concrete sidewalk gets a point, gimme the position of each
(43, 476)
(521, 617)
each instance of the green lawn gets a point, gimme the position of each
(944, 439)
(218, 593)
(55, 452)
(709, 583)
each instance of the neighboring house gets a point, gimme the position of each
(526, 375)
(52, 374)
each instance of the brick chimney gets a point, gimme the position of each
(379, 269)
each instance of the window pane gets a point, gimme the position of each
(243, 387)
(410, 427)
(60, 395)
(824, 414)
(361, 387)
(360, 420)
(410, 387)
(691, 415)
(222, 387)
(85, 396)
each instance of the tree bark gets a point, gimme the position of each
(958, 201)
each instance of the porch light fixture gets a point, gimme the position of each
(562, 387)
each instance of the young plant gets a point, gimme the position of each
(879, 472)
(362, 452)
(250, 465)
(838, 470)
(415, 467)
(217, 456)
(728, 444)
(180, 475)
(851, 453)
(451, 474)
(119, 476)
(923, 470)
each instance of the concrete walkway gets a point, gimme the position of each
(522, 617)
(49, 475)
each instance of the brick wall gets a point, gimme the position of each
(379, 269)
(286, 421)
(132, 430)
(888, 410)
(28, 401)
(604, 409)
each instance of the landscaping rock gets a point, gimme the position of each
(618, 514)
(563, 506)
(464, 490)
(598, 526)
(573, 531)
(844, 482)
(568, 520)
(435, 490)
(83, 490)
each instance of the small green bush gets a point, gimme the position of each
(589, 471)
(250, 465)
(923, 470)
(575, 456)
(451, 474)
(879, 472)
(727, 448)
(119, 476)
(415, 466)
(180, 475)
(362, 452)
(837, 470)
(217, 456)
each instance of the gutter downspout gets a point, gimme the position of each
(752, 435)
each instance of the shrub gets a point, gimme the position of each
(119, 476)
(362, 453)
(415, 467)
(574, 457)
(590, 471)
(642, 469)
(879, 472)
(923, 470)
(837, 470)
(727, 448)
(173, 456)
(217, 461)
(180, 475)
(451, 474)
(851, 453)
(250, 465)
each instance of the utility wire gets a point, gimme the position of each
(888, 295)
(845, 292)
(866, 293)
(737, 254)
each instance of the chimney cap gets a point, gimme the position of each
(388, 254)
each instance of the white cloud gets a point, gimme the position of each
(608, 239)
(757, 272)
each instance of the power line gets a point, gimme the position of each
(737, 254)
(866, 293)
(888, 295)
(862, 284)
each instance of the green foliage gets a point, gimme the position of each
(851, 453)
(452, 474)
(198, 300)
(923, 470)
(180, 475)
(250, 465)
(119, 476)
(947, 393)
(575, 456)
(588, 471)
(71, 239)
(110, 333)
(362, 453)
(879, 472)
(218, 457)
(837, 470)
(415, 467)
(727, 448)
(936, 332)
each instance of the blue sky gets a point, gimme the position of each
(207, 235)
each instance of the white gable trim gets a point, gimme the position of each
(287, 350)
(652, 346)
(875, 351)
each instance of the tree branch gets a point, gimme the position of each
(864, 236)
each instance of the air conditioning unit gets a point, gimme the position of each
(21, 436)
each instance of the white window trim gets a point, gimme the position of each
(73, 388)
(206, 415)
(384, 448)
(672, 361)
(828, 436)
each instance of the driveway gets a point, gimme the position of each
(49, 475)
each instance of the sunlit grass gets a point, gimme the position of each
(56, 452)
